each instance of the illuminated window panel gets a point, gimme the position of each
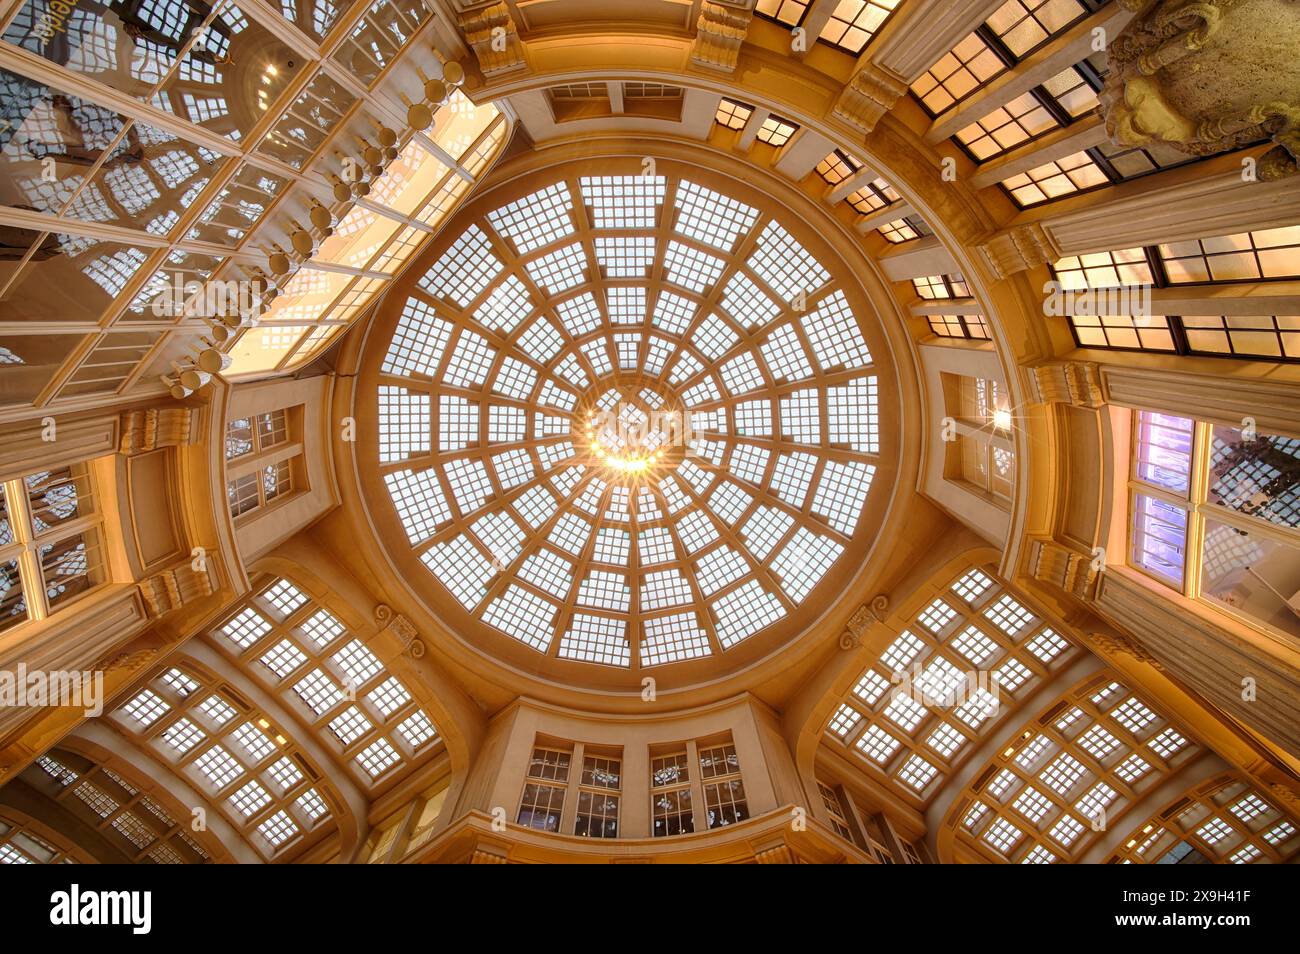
(1130, 162)
(854, 22)
(935, 287)
(733, 114)
(1072, 91)
(1055, 179)
(837, 167)
(900, 230)
(1128, 266)
(1248, 256)
(136, 824)
(1123, 332)
(1069, 776)
(789, 12)
(960, 326)
(1020, 120)
(776, 131)
(1248, 336)
(872, 197)
(244, 763)
(957, 74)
(914, 713)
(1024, 25)
(1208, 497)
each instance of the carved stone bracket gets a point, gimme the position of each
(870, 94)
(1069, 382)
(1019, 248)
(862, 619)
(492, 34)
(402, 629)
(173, 588)
(1064, 568)
(719, 33)
(155, 427)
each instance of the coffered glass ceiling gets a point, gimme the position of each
(628, 420)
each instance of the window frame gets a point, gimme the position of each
(25, 545)
(1199, 510)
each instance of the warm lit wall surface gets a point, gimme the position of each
(750, 431)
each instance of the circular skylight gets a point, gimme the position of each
(628, 420)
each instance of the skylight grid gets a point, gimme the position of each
(560, 270)
(404, 426)
(852, 412)
(535, 220)
(625, 256)
(785, 265)
(596, 639)
(461, 568)
(623, 202)
(673, 638)
(464, 270)
(691, 268)
(524, 616)
(785, 356)
(457, 422)
(711, 218)
(418, 341)
(627, 306)
(801, 563)
(505, 307)
(835, 336)
(546, 349)
(744, 611)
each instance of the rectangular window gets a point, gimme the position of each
(724, 792)
(670, 795)
(835, 808)
(1233, 499)
(598, 797)
(543, 798)
(50, 543)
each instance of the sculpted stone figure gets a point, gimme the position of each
(1205, 76)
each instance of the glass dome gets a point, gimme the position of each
(628, 420)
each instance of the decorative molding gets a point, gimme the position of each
(719, 33)
(779, 854)
(402, 629)
(870, 94)
(863, 617)
(491, 33)
(126, 664)
(146, 430)
(1065, 568)
(1207, 657)
(173, 588)
(1019, 248)
(1116, 644)
(1274, 405)
(1078, 383)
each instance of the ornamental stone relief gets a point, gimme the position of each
(1206, 76)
